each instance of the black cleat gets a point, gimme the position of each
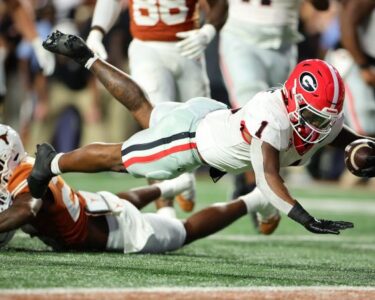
(41, 173)
(69, 45)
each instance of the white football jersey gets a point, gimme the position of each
(267, 24)
(221, 144)
(265, 12)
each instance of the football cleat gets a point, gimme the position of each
(186, 199)
(41, 173)
(269, 225)
(69, 45)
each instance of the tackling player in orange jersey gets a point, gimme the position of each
(77, 220)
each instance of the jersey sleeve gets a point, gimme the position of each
(265, 118)
(18, 181)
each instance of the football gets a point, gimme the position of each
(356, 154)
(5, 237)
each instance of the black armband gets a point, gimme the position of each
(299, 214)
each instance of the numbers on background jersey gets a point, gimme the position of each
(262, 2)
(150, 12)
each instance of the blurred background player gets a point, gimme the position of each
(166, 56)
(77, 220)
(258, 50)
(354, 57)
(20, 36)
(356, 62)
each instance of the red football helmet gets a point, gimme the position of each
(314, 94)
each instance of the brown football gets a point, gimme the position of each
(356, 154)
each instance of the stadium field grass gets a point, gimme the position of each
(235, 257)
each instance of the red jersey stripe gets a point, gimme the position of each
(158, 155)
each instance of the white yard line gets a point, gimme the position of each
(366, 206)
(186, 289)
(364, 240)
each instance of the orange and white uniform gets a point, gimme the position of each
(161, 20)
(63, 217)
(155, 61)
(63, 221)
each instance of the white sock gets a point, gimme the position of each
(172, 187)
(167, 211)
(256, 202)
(55, 164)
(90, 61)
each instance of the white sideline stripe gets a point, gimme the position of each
(292, 238)
(366, 206)
(186, 289)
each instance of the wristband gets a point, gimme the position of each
(299, 214)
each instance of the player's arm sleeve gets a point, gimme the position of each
(265, 162)
(105, 14)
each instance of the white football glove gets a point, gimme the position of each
(45, 58)
(94, 42)
(195, 41)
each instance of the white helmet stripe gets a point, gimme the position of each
(335, 85)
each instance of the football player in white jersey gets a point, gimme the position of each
(166, 41)
(258, 50)
(278, 128)
(356, 63)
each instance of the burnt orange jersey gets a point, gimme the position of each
(62, 216)
(160, 20)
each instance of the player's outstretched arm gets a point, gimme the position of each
(266, 165)
(23, 209)
(119, 84)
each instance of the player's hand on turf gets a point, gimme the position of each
(69, 45)
(326, 226)
(300, 215)
(46, 60)
(369, 171)
(194, 42)
(94, 42)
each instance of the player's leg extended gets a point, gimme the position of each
(212, 219)
(94, 157)
(142, 196)
(119, 84)
(148, 69)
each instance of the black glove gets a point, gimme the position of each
(300, 215)
(369, 171)
(69, 45)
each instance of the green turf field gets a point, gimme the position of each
(235, 257)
